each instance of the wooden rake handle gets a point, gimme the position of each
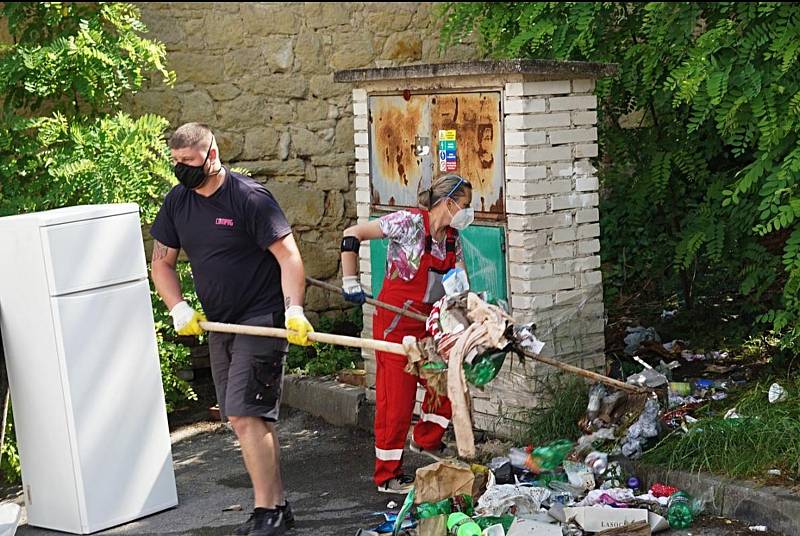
(326, 338)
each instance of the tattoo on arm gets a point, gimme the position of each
(159, 250)
(287, 302)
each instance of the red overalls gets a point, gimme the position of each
(396, 389)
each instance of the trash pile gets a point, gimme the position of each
(684, 378)
(546, 491)
(562, 488)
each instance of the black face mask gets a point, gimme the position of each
(193, 176)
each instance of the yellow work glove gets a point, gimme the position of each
(186, 320)
(298, 326)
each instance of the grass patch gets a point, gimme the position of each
(766, 437)
(567, 398)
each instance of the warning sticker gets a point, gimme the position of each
(448, 161)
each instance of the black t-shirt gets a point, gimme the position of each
(226, 237)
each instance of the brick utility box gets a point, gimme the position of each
(523, 133)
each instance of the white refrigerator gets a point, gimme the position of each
(83, 366)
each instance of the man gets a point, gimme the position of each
(247, 270)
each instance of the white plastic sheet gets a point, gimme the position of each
(10, 515)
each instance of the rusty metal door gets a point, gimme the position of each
(407, 133)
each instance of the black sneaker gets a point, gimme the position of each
(288, 518)
(268, 523)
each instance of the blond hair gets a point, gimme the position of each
(451, 185)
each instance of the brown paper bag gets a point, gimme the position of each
(432, 526)
(442, 480)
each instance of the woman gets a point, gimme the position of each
(423, 245)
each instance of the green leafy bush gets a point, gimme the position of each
(699, 134)
(325, 359)
(62, 80)
(63, 139)
(9, 468)
(174, 354)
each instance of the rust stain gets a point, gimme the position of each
(396, 129)
(499, 206)
(475, 118)
(407, 95)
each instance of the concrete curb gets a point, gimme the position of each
(776, 507)
(337, 403)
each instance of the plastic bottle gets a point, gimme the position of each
(460, 524)
(484, 368)
(548, 458)
(597, 462)
(679, 511)
(518, 457)
(596, 394)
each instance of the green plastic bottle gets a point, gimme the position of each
(549, 457)
(505, 520)
(679, 511)
(460, 524)
(484, 368)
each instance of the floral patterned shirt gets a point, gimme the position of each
(406, 233)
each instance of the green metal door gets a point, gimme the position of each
(484, 253)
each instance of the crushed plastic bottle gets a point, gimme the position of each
(549, 457)
(597, 462)
(518, 457)
(460, 524)
(679, 511)
(485, 522)
(596, 394)
(484, 368)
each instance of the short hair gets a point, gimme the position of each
(189, 135)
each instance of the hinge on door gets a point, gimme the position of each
(30, 496)
(503, 242)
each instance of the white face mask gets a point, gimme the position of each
(462, 219)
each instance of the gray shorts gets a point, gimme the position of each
(248, 370)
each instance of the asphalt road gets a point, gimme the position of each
(326, 470)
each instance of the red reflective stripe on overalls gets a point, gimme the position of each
(396, 389)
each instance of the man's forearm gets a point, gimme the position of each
(167, 284)
(293, 281)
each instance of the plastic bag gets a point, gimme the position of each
(549, 457)
(10, 515)
(498, 500)
(646, 427)
(455, 282)
(579, 475)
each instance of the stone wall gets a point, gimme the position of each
(261, 74)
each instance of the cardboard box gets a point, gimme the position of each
(526, 527)
(597, 518)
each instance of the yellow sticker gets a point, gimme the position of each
(447, 135)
